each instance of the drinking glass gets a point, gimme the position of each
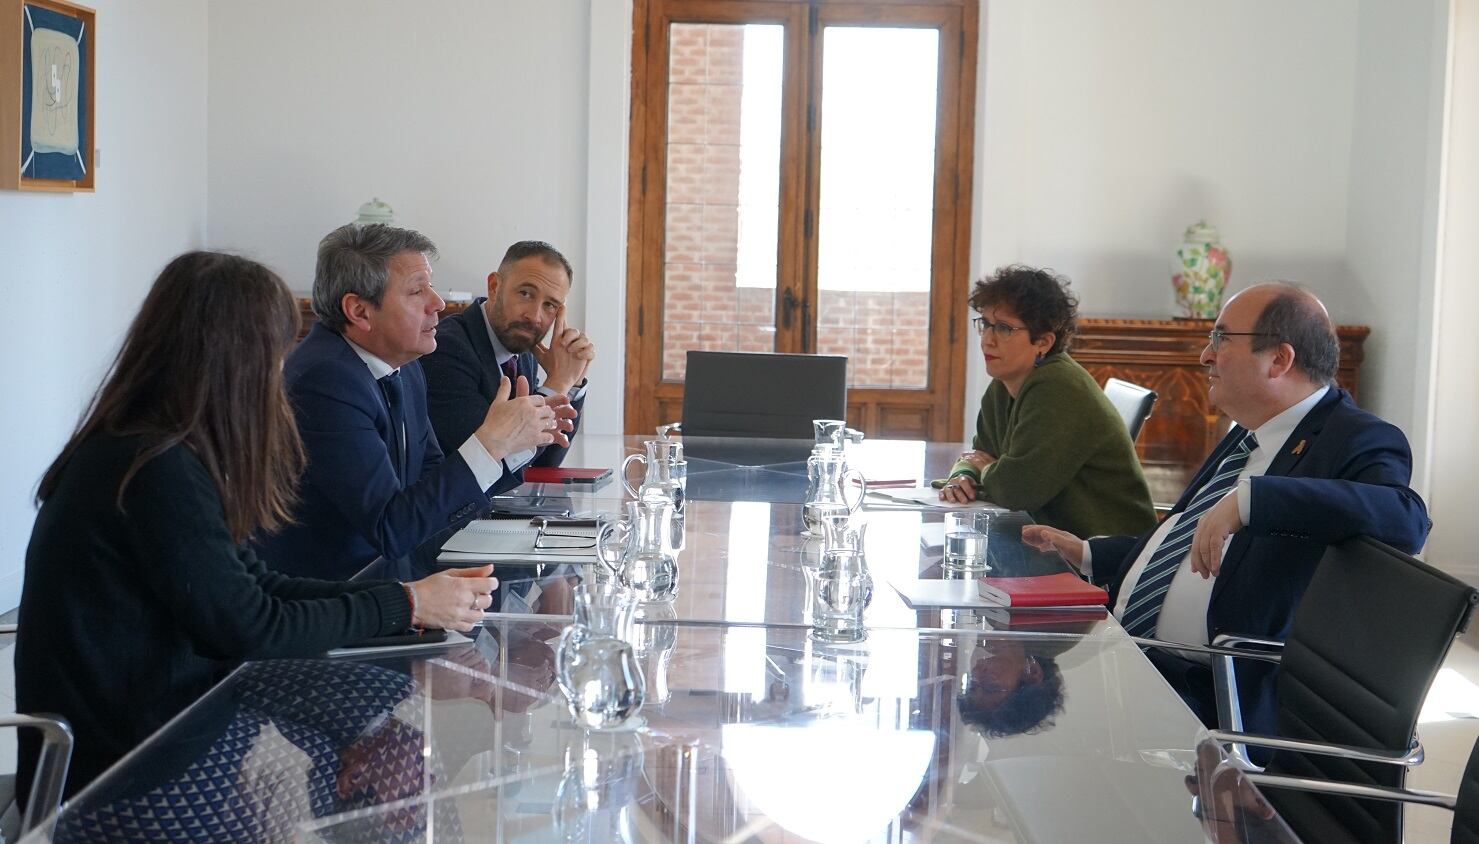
(966, 532)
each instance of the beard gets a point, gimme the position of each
(516, 336)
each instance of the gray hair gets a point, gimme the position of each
(356, 259)
(1296, 317)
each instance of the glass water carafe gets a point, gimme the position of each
(595, 663)
(827, 478)
(639, 550)
(666, 476)
(834, 433)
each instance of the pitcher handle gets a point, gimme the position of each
(862, 484)
(642, 458)
(604, 539)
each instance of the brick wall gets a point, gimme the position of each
(883, 335)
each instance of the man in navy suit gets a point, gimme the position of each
(377, 484)
(501, 334)
(1302, 468)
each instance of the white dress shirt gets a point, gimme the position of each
(485, 468)
(1183, 615)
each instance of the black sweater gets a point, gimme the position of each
(128, 615)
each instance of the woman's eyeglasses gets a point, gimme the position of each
(1002, 330)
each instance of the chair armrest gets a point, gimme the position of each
(8, 628)
(1348, 789)
(1233, 640)
(1411, 757)
(1210, 650)
(51, 765)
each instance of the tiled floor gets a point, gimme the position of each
(1449, 726)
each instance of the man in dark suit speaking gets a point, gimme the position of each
(1302, 467)
(500, 336)
(377, 483)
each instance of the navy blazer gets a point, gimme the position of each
(462, 377)
(1343, 472)
(352, 508)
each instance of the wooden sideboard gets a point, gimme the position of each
(1163, 354)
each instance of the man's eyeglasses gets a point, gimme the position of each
(1215, 336)
(1003, 331)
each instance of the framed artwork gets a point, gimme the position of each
(47, 100)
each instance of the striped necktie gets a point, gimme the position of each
(510, 369)
(1144, 607)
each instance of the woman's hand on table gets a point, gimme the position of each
(960, 489)
(454, 599)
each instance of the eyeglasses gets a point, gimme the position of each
(1003, 331)
(1215, 336)
(548, 540)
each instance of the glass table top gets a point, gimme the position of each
(747, 733)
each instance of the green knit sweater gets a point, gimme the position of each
(1062, 454)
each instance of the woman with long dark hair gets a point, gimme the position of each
(140, 590)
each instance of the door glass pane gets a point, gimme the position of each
(723, 190)
(876, 210)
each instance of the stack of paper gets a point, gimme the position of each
(496, 540)
(921, 497)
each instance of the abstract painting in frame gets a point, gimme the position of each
(48, 100)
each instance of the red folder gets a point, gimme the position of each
(556, 475)
(1064, 589)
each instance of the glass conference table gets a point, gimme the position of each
(942, 725)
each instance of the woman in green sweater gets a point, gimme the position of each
(1047, 440)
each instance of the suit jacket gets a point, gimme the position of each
(1343, 472)
(462, 377)
(353, 508)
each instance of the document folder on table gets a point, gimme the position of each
(492, 540)
(1064, 589)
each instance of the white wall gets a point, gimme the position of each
(471, 119)
(1455, 449)
(1391, 234)
(76, 266)
(1306, 132)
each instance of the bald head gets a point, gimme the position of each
(1287, 313)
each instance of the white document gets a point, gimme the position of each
(922, 496)
(501, 539)
(945, 594)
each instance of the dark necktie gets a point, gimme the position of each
(395, 400)
(1144, 608)
(510, 369)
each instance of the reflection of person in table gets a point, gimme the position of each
(1047, 441)
(281, 743)
(1010, 689)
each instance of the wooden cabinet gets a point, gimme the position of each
(1163, 354)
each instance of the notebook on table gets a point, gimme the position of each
(560, 475)
(1064, 589)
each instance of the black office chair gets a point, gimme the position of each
(1464, 805)
(1133, 402)
(743, 394)
(1373, 628)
